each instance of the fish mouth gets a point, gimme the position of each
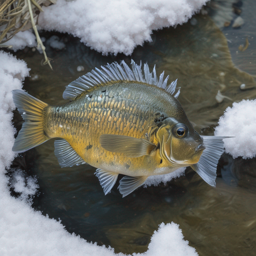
(199, 148)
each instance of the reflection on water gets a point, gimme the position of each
(216, 221)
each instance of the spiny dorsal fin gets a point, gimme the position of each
(115, 72)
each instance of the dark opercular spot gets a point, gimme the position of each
(90, 96)
(45, 133)
(161, 161)
(159, 118)
(88, 147)
(103, 91)
(127, 166)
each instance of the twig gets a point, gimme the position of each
(39, 41)
(5, 46)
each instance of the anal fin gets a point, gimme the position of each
(128, 184)
(66, 155)
(107, 179)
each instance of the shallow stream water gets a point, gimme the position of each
(205, 57)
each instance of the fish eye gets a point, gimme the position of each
(179, 130)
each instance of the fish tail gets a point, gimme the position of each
(32, 132)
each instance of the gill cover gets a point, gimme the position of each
(164, 137)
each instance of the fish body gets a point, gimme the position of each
(120, 122)
(120, 109)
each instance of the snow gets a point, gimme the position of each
(21, 40)
(112, 26)
(25, 186)
(239, 121)
(116, 26)
(168, 240)
(25, 232)
(157, 179)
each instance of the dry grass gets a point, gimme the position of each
(21, 15)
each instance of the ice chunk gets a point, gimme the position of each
(55, 43)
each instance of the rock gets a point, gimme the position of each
(238, 22)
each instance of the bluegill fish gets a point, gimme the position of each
(120, 120)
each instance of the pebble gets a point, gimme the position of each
(193, 21)
(242, 86)
(80, 68)
(238, 22)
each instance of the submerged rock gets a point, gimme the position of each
(238, 22)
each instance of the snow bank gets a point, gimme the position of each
(157, 179)
(21, 40)
(168, 240)
(116, 26)
(24, 232)
(239, 121)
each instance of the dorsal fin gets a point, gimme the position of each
(115, 72)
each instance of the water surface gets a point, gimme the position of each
(202, 54)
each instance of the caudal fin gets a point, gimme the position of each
(32, 131)
(207, 165)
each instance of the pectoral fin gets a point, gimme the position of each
(128, 184)
(129, 146)
(107, 179)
